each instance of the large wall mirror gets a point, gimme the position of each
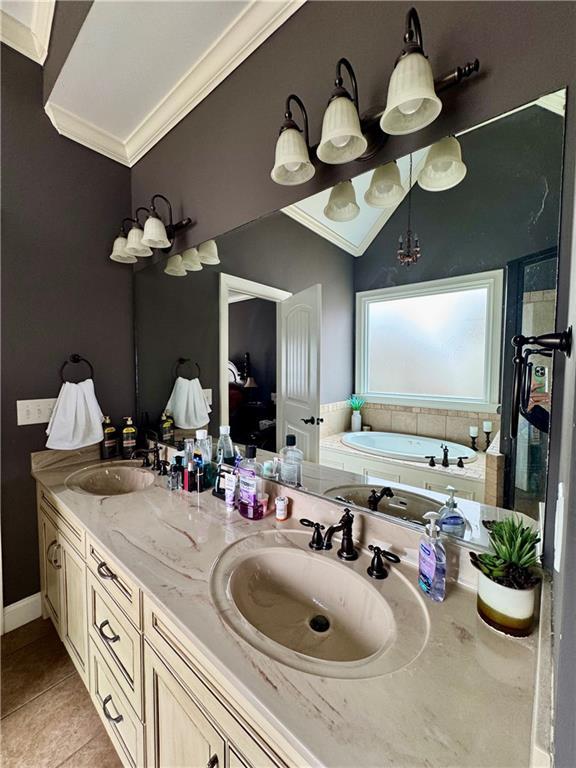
(318, 301)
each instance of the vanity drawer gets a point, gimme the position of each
(65, 522)
(124, 728)
(118, 641)
(177, 652)
(115, 581)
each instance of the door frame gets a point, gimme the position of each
(230, 283)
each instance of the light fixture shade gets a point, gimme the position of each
(208, 253)
(342, 139)
(342, 204)
(134, 245)
(191, 260)
(292, 164)
(119, 252)
(443, 168)
(385, 188)
(174, 266)
(155, 233)
(412, 102)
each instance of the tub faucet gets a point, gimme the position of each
(375, 498)
(445, 449)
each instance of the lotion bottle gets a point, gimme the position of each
(432, 561)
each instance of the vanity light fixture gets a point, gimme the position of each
(342, 139)
(412, 102)
(208, 253)
(385, 190)
(409, 248)
(119, 252)
(443, 168)
(191, 260)
(174, 266)
(292, 163)
(156, 235)
(134, 245)
(342, 205)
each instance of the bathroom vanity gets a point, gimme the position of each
(150, 590)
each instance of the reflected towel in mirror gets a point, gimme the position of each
(76, 420)
(188, 404)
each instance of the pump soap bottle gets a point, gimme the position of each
(128, 438)
(432, 561)
(108, 446)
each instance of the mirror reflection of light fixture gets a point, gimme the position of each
(249, 380)
(412, 102)
(174, 266)
(409, 247)
(342, 139)
(134, 245)
(443, 168)
(119, 252)
(208, 253)
(385, 190)
(191, 260)
(292, 161)
(342, 205)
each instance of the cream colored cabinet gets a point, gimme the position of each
(74, 607)
(50, 567)
(178, 733)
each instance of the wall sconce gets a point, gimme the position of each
(385, 188)
(342, 205)
(342, 139)
(443, 168)
(156, 235)
(119, 253)
(208, 253)
(292, 162)
(134, 245)
(191, 260)
(174, 266)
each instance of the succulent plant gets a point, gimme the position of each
(514, 562)
(355, 402)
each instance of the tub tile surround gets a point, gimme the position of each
(168, 544)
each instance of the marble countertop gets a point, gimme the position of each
(466, 700)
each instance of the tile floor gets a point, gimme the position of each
(48, 719)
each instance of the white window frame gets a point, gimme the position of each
(493, 281)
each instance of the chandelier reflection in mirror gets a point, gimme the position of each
(409, 247)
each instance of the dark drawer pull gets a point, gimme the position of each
(112, 719)
(105, 572)
(103, 634)
(213, 762)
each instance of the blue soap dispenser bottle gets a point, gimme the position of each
(432, 561)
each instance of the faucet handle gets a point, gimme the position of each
(460, 462)
(377, 569)
(317, 540)
(432, 462)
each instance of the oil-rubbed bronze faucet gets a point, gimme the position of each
(376, 497)
(347, 550)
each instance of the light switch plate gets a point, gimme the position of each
(34, 411)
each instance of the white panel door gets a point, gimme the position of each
(299, 369)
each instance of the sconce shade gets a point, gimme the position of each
(191, 260)
(412, 102)
(292, 164)
(385, 188)
(155, 234)
(443, 168)
(342, 204)
(119, 252)
(342, 139)
(134, 245)
(174, 266)
(208, 253)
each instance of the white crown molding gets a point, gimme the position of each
(31, 41)
(241, 38)
(85, 133)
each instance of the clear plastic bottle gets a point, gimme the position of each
(432, 561)
(189, 467)
(291, 459)
(225, 445)
(250, 486)
(451, 519)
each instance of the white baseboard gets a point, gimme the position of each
(17, 614)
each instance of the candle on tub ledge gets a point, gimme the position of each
(473, 431)
(487, 426)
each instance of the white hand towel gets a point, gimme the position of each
(76, 420)
(188, 404)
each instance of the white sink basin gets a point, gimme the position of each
(315, 613)
(111, 479)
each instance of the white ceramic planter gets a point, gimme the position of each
(508, 610)
(356, 421)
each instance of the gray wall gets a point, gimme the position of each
(61, 204)
(179, 317)
(252, 328)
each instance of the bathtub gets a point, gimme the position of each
(395, 445)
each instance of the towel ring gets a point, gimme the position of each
(182, 361)
(75, 358)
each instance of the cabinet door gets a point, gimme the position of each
(51, 566)
(178, 734)
(74, 607)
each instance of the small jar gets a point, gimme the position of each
(281, 508)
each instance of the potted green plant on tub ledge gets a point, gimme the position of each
(356, 403)
(508, 579)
